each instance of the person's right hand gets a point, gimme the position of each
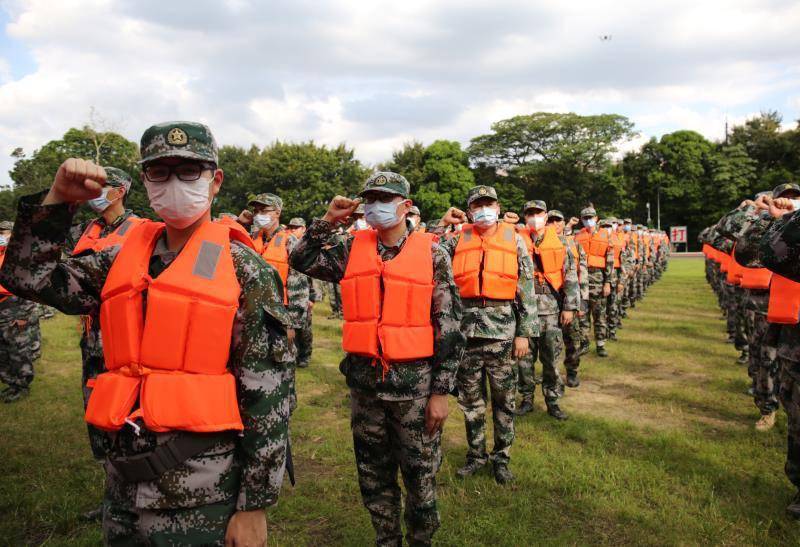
(246, 217)
(76, 180)
(747, 203)
(454, 216)
(780, 207)
(573, 221)
(606, 289)
(340, 209)
(510, 217)
(763, 202)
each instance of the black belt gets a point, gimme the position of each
(169, 455)
(484, 303)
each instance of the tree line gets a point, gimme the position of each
(566, 159)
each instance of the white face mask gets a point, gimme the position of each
(382, 215)
(413, 221)
(485, 217)
(795, 204)
(614, 226)
(361, 224)
(101, 202)
(3, 241)
(179, 203)
(537, 222)
(262, 220)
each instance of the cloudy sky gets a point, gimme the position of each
(376, 74)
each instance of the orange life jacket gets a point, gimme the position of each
(724, 261)
(174, 356)
(647, 240)
(550, 252)
(91, 241)
(233, 223)
(387, 305)
(784, 301)
(277, 256)
(487, 267)
(706, 250)
(595, 245)
(755, 278)
(617, 246)
(734, 276)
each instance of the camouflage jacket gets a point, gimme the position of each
(550, 301)
(252, 463)
(14, 308)
(748, 243)
(583, 270)
(298, 287)
(323, 254)
(519, 318)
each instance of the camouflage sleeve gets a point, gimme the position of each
(34, 268)
(14, 308)
(747, 245)
(732, 224)
(608, 272)
(449, 245)
(259, 355)
(583, 273)
(446, 317)
(780, 247)
(74, 235)
(525, 305)
(297, 288)
(321, 253)
(572, 291)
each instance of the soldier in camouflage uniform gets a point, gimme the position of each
(497, 334)
(265, 228)
(573, 336)
(619, 276)
(20, 337)
(397, 409)
(600, 279)
(780, 252)
(556, 310)
(304, 336)
(414, 217)
(172, 487)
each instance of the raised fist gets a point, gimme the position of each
(76, 180)
(510, 217)
(454, 216)
(246, 217)
(340, 209)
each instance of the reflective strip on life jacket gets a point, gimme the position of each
(387, 305)
(174, 357)
(784, 301)
(487, 267)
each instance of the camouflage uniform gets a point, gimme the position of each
(780, 252)
(20, 346)
(614, 301)
(304, 336)
(388, 407)
(573, 334)
(190, 503)
(298, 289)
(490, 333)
(548, 347)
(598, 277)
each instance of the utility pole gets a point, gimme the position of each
(658, 206)
(648, 213)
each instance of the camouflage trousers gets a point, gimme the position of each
(492, 360)
(203, 525)
(304, 341)
(387, 436)
(737, 316)
(548, 348)
(763, 361)
(597, 315)
(19, 348)
(573, 338)
(336, 298)
(790, 399)
(613, 309)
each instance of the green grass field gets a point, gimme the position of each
(659, 448)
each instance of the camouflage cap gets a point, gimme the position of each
(189, 140)
(479, 192)
(606, 222)
(296, 222)
(555, 213)
(6, 225)
(388, 183)
(118, 178)
(267, 199)
(360, 209)
(588, 212)
(627, 221)
(534, 204)
(781, 188)
(414, 210)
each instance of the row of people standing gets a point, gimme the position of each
(751, 263)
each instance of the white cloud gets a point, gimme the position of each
(382, 73)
